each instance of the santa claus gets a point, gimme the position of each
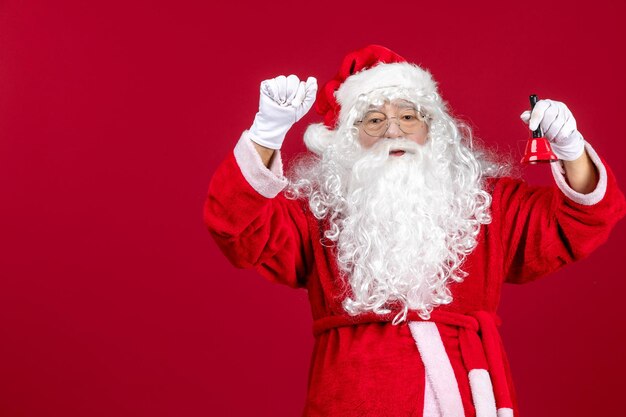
(403, 233)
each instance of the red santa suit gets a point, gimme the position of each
(451, 365)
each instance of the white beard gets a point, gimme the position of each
(402, 225)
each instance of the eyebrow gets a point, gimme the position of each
(402, 105)
(405, 104)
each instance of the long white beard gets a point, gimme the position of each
(402, 237)
(402, 225)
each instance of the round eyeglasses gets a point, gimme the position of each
(376, 123)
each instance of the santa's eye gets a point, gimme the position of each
(374, 118)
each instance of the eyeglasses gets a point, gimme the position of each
(376, 123)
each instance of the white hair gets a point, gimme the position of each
(402, 226)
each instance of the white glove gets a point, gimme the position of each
(283, 101)
(559, 126)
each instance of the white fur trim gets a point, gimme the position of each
(318, 137)
(399, 74)
(482, 393)
(438, 368)
(593, 197)
(267, 182)
(505, 412)
(431, 408)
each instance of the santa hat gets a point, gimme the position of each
(363, 71)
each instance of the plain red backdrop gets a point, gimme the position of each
(113, 299)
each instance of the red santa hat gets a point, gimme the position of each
(363, 71)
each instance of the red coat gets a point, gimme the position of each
(366, 366)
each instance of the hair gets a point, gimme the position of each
(443, 184)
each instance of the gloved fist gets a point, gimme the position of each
(558, 126)
(284, 101)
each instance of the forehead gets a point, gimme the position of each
(398, 104)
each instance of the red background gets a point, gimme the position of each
(113, 299)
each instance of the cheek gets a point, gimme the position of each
(420, 137)
(366, 140)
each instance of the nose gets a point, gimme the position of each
(393, 130)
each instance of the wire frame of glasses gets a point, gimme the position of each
(376, 123)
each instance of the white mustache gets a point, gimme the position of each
(385, 146)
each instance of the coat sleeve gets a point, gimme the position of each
(543, 228)
(252, 222)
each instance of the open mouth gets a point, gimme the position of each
(398, 152)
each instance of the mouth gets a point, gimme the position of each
(399, 152)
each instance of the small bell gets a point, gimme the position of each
(538, 148)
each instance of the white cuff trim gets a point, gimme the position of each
(593, 197)
(267, 182)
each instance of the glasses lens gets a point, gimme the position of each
(375, 123)
(410, 121)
